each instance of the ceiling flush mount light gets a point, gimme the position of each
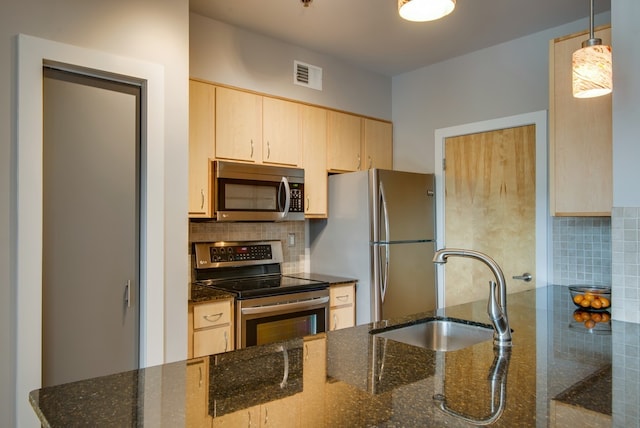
(592, 74)
(425, 10)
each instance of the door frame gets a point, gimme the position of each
(32, 54)
(539, 119)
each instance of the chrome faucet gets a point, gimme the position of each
(497, 306)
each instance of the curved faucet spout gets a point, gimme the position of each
(497, 306)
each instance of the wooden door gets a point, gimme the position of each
(201, 146)
(314, 146)
(490, 206)
(378, 144)
(280, 132)
(343, 142)
(238, 125)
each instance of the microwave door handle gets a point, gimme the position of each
(287, 196)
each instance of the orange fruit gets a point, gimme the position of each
(589, 323)
(589, 296)
(596, 303)
(605, 317)
(605, 302)
(596, 317)
(578, 298)
(585, 303)
(585, 316)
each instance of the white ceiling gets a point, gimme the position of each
(371, 35)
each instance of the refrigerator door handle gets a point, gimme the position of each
(384, 280)
(384, 215)
(384, 223)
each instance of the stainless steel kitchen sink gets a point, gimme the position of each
(439, 334)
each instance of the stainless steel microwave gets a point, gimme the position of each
(249, 192)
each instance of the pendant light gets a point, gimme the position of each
(425, 10)
(592, 74)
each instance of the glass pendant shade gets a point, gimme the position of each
(592, 76)
(425, 10)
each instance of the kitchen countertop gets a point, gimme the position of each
(555, 374)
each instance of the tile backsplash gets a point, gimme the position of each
(625, 292)
(582, 250)
(216, 231)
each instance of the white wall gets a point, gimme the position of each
(225, 54)
(151, 30)
(625, 33)
(503, 80)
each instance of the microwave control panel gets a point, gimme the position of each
(297, 198)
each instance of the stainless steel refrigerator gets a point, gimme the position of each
(380, 231)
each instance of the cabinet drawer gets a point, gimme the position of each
(212, 341)
(342, 318)
(211, 314)
(341, 295)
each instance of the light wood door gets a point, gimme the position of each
(314, 377)
(580, 139)
(238, 125)
(282, 413)
(378, 144)
(201, 146)
(249, 417)
(280, 132)
(314, 146)
(197, 391)
(343, 142)
(490, 207)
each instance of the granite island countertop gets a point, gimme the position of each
(555, 374)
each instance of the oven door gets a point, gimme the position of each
(276, 318)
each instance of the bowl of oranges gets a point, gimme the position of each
(591, 298)
(591, 321)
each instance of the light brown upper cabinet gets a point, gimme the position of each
(378, 144)
(280, 132)
(201, 146)
(344, 142)
(580, 138)
(238, 125)
(314, 146)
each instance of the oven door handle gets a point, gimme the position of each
(302, 304)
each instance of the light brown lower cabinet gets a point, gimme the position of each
(210, 328)
(342, 309)
(314, 377)
(284, 413)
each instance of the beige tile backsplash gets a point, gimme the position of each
(293, 255)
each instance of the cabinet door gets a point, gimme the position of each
(378, 144)
(282, 413)
(197, 388)
(201, 147)
(248, 418)
(314, 146)
(211, 341)
(580, 139)
(280, 132)
(342, 317)
(314, 377)
(343, 140)
(238, 125)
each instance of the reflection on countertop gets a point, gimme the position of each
(352, 378)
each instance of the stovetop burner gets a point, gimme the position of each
(248, 269)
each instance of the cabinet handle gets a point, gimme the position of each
(308, 203)
(306, 352)
(200, 381)
(268, 150)
(335, 322)
(266, 415)
(226, 341)
(201, 199)
(251, 155)
(359, 162)
(344, 297)
(213, 317)
(370, 162)
(249, 413)
(127, 293)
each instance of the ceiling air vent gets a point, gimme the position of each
(307, 75)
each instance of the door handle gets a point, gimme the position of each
(526, 277)
(127, 294)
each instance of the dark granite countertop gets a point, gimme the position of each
(555, 374)
(199, 294)
(332, 280)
